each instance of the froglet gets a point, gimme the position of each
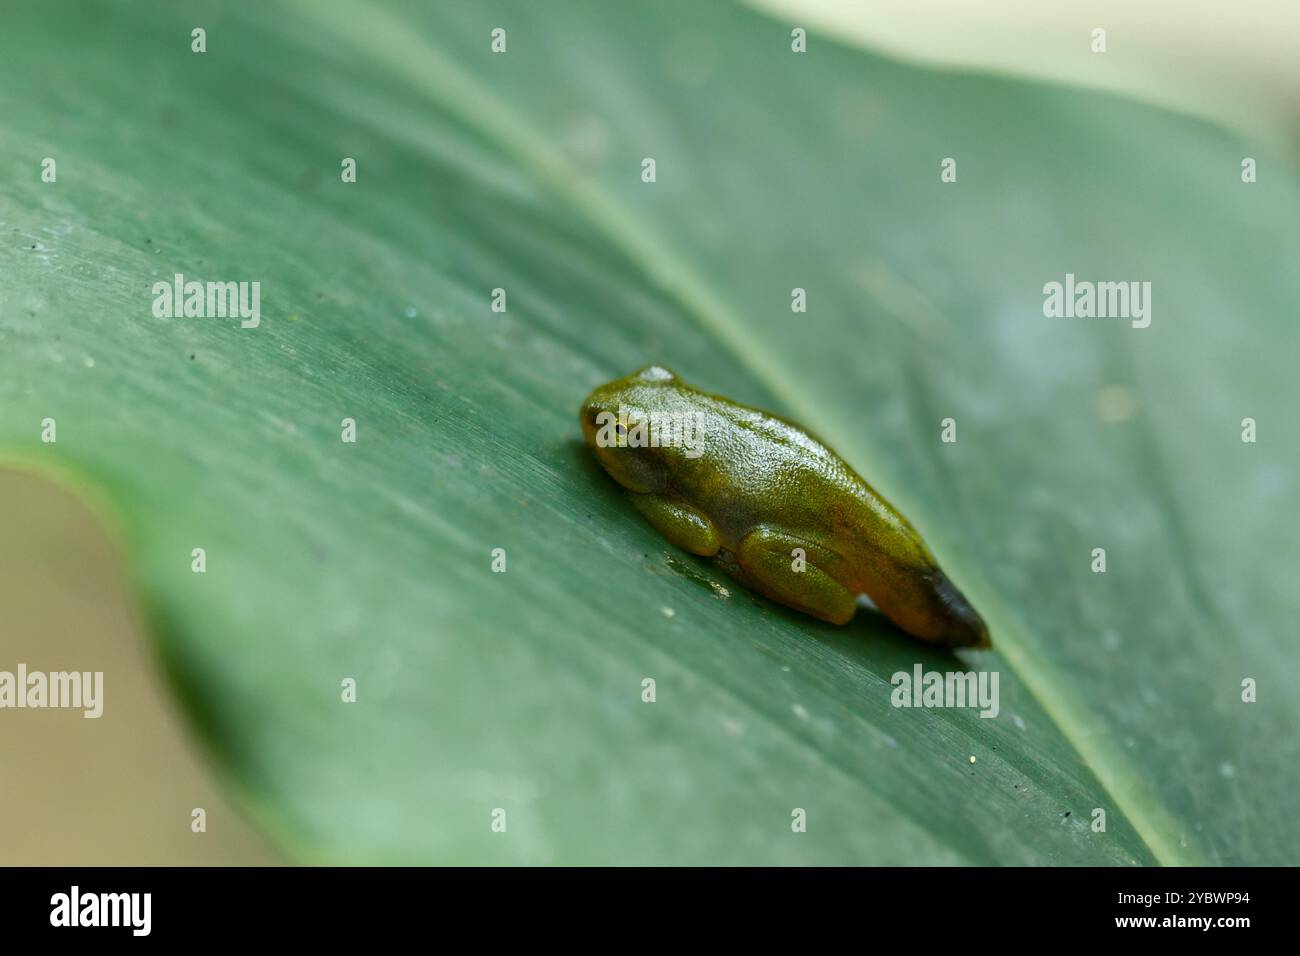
(785, 514)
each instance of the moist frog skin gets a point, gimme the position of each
(798, 524)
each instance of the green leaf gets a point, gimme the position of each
(775, 170)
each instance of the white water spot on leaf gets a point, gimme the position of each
(1116, 403)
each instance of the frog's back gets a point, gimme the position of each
(757, 468)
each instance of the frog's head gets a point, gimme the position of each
(611, 411)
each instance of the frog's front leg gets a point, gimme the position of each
(767, 555)
(688, 528)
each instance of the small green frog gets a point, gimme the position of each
(786, 515)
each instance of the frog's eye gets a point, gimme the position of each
(621, 429)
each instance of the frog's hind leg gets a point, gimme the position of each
(767, 556)
(684, 526)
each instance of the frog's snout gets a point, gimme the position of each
(587, 416)
(596, 410)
